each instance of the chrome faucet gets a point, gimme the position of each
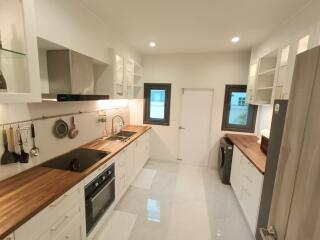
(121, 124)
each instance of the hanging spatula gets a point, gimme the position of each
(7, 157)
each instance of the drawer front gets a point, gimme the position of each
(69, 226)
(39, 224)
(252, 181)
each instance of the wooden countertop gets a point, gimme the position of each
(249, 146)
(26, 194)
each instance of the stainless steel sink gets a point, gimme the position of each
(126, 134)
(121, 136)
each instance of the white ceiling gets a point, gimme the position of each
(194, 25)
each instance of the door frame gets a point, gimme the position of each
(179, 120)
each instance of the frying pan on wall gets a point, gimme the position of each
(60, 129)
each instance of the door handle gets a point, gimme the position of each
(269, 233)
(181, 128)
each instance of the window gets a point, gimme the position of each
(157, 103)
(238, 115)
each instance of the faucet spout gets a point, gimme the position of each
(112, 125)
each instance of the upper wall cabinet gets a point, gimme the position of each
(271, 76)
(123, 78)
(63, 70)
(19, 70)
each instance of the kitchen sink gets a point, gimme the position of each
(126, 134)
(121, 136)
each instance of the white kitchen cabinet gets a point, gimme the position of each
(10, 237)
(121, 80)
(51, 221)
(246, 182)
(235, 177)
(73, 230)
(19, 54)
(133, 79)
(141, 152)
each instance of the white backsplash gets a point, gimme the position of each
(50, 146)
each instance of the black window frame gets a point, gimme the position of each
(252, 112)
(146, 111)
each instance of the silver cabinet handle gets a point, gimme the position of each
(269, 233)
(181, 128)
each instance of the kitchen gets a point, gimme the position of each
(133, 156)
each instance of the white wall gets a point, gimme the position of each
(49, 145)
(191, 71)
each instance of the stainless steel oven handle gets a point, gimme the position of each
(105, 186)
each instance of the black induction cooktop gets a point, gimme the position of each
(77, 160)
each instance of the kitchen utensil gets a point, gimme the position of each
(3, 83)
(12, 144)
(7, 157)
(73, 131)
(24, 157)
(60, 129)
(34, 151)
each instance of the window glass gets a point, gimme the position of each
(238, 113)
(157, 103)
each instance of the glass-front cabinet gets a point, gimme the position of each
(19, 71)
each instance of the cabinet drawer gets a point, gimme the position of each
(62, 229)
(253, 179)
(43, 221)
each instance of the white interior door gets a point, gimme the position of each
(195, 121)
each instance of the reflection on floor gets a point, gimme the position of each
(183, 203)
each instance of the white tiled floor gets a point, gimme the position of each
(144, 179)
(183, 203)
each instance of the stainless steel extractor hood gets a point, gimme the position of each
(71, 77)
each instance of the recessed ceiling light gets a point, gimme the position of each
(152, 44)
(235, 39)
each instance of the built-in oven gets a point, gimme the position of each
(99, 195)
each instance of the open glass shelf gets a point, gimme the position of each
(7, 53)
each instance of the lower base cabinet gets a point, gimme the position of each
(246, 182)
(10, 237)
(64, 219)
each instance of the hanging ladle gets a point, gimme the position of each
(34, 151)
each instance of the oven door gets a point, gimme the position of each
(99, 202)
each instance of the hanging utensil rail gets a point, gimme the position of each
(49, 117)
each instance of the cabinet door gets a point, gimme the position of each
(10, 237)
(119, 77)
(138, 156)
(19, 65)
(146, 147)
(235, 177)
(252, 82)
(72, 231)
(129, 78)
(120, 166)
(129, 170)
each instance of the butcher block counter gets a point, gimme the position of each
(249, 146)
(26, 194)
